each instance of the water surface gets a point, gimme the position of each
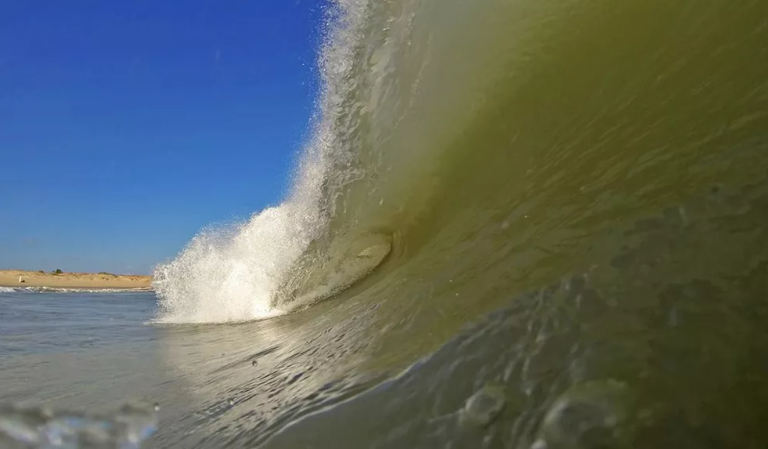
(558, 203)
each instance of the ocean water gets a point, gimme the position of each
(82, 352)
(519, 224)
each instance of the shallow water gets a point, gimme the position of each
(553, 208)
(67, 347)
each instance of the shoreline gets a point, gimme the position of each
(79, 281)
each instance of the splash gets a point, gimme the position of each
(234, 273)
(231, 274)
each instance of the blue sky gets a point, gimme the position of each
(126, 126)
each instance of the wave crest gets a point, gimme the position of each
(235, 273)
(231, 274)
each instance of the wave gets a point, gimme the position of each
(304, 249)
(589, 177)
(422, 134)
(366, 175)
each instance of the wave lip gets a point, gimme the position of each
(236, 273)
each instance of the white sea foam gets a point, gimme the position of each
(231, 275)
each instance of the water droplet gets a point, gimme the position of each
(231, 401)
(253, 363)
(156, 407)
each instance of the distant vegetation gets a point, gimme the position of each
(104, 273)
(58, 271)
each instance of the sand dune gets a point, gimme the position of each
(11, 278)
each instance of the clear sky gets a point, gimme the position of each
(126, 126)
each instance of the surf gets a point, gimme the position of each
(544, 219)
(542, 120)
(346, 190)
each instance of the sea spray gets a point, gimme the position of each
(233, 273)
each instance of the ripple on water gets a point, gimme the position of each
(42, 427)
(590, 415)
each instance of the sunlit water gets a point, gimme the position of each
(523, 224)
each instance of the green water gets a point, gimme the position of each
(611, 158)
(576, 195)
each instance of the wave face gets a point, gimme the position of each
(438, 119)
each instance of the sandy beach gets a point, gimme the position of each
(11, 278)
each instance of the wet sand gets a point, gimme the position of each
(19, 278)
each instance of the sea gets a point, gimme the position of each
(534, 224)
